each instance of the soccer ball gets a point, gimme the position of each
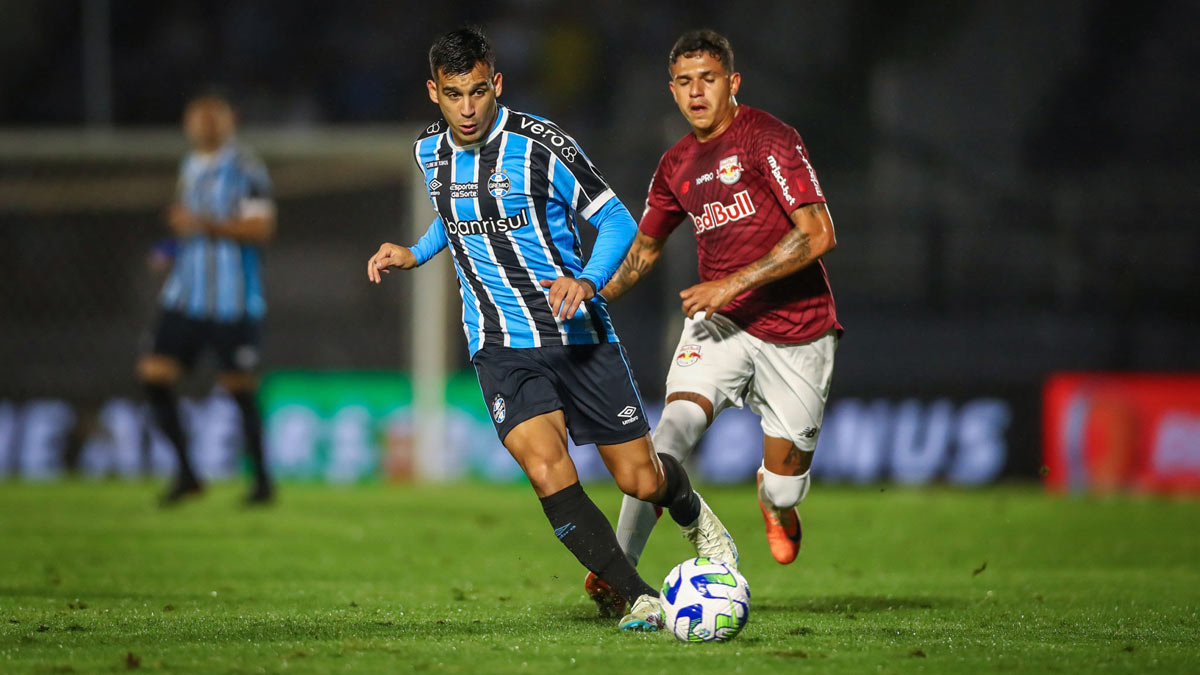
(705, 601)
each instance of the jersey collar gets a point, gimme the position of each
(497, 127)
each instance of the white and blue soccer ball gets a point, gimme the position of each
(705, 601)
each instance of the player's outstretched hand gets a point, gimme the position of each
(567, 294)
(387, 257)
(703, 300)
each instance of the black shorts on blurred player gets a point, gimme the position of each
(235, 344)
(591, 384)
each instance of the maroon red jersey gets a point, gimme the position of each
(739, 189)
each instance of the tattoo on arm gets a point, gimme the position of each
(642, 256)
(791, 254)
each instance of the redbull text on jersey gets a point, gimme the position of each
(717, 214)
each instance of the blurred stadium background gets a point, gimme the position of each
(1014, 186)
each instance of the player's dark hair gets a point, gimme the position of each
(458, 51)
(703, 40)
(208, 95)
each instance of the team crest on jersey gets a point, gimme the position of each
(498, 183)
(498, 409)
(729, 170)
(688, 355)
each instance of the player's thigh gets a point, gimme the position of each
(539, 445)
(790, 389)
(599, 394)
(713, 360)
(171, 348)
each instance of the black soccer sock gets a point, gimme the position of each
(165, 407)
(680, 499)
(247, 402)
(582, 528)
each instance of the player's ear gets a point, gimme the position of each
(432, 87)
(498, 83)
(735, 83)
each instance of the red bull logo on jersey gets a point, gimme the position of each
(716, 214)
(729, 170)
(688, 355)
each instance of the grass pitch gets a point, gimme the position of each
(469, 578)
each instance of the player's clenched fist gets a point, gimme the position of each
(566, 294)
(387, 257)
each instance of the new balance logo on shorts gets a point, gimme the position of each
(628, 415)
(809, 432)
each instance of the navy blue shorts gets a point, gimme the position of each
(591, 384)
(235, 344)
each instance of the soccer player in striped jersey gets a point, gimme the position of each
(507, 187)
(213, 296)
(761, 326)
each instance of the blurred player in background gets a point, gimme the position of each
(761, 327)
(507, 187)
(213, 296)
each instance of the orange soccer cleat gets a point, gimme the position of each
(609, 602)
(783, 529)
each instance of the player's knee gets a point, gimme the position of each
(547, 474)
(156, 369)
(785, 492)
(238, 382)
(640, 482)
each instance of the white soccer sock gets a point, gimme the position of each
(678, 431)
(784, 492)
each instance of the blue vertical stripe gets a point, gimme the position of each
(499, 270)
(213, 277)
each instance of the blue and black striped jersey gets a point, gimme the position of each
(213, 277)
(506, 208)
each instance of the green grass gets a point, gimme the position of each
(469, 578)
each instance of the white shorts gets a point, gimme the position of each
(784, 384)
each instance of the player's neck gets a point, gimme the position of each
(717, 129)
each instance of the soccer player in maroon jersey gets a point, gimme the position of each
(761, 328)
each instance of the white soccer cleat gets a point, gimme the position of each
(710, 537)
(645, 616)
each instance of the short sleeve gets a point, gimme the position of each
(258, 181)
(663, 211)
(783, 160)
(257, 201)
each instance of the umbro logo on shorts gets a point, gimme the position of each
(629, 414)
